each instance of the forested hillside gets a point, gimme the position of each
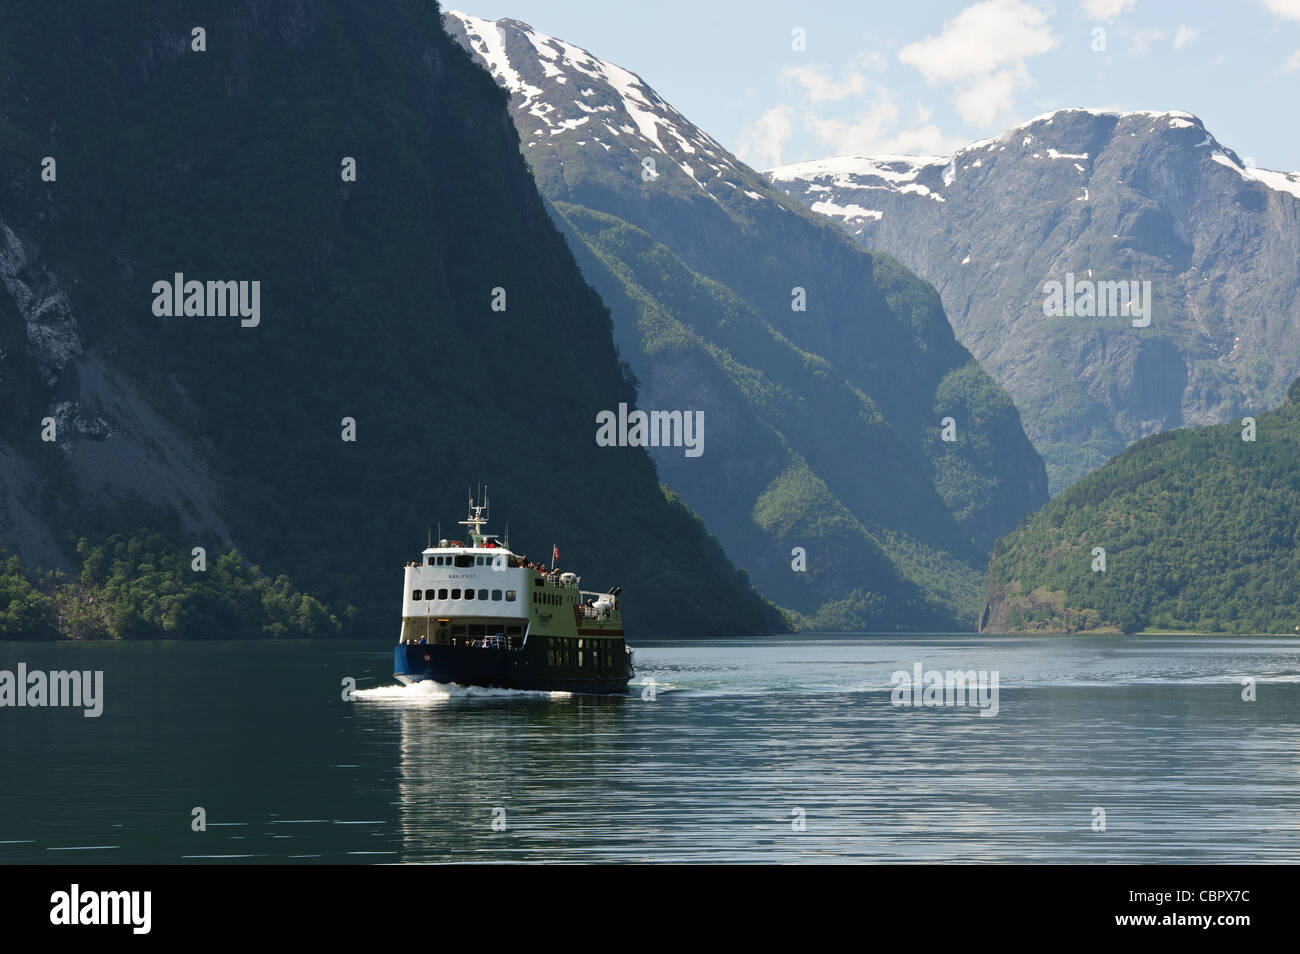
(1200, 528)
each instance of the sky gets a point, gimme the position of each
(781, 82)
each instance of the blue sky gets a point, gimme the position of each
(926, 77)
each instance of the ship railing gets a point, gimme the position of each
(605, 611)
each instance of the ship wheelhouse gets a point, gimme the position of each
(461, 595)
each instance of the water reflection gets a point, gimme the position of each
(750, 750)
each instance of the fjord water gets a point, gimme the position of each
(740, 734)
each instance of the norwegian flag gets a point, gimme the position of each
(555, 555)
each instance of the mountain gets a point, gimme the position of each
(218, 145)
(1101, 196)
(825, 373)
(1199, 528)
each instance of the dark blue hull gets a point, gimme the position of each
(505, 668)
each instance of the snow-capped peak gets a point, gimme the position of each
(558, 88)
(918, 173)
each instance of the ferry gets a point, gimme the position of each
(477, 614)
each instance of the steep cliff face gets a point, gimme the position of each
(1099, 196)
(829, 371)
(228, 158)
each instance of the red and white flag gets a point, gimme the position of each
(555, 555)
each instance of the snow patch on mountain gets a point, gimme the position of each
(489, 42)
(1280, 181)
(849, 212)
(842, 176)
(893, 169)
(526, 62)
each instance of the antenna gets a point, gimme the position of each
(475, 520)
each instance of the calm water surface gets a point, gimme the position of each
(740, 735)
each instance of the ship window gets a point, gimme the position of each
(430, 561)
(415, 594)
(455, 594)
(464, 560)
(537, 581)
(482, 594)
(469, 594)
(510, 596)
(442, 594)
(496, 594)
(478, 561)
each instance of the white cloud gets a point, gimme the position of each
(878, 127)
(989, 96)
(876, 131)
(859, 134)
(982, 51)
(821, 87)
(1293, 64)
(1107, 10)
(1286, 9)
(876, 134)
(981, 39)
(1185, 35)
(925, 139)
(764, 142)
(1142, 40)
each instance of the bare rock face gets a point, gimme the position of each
(1140, 196)
(37, 299)
(109, 447)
